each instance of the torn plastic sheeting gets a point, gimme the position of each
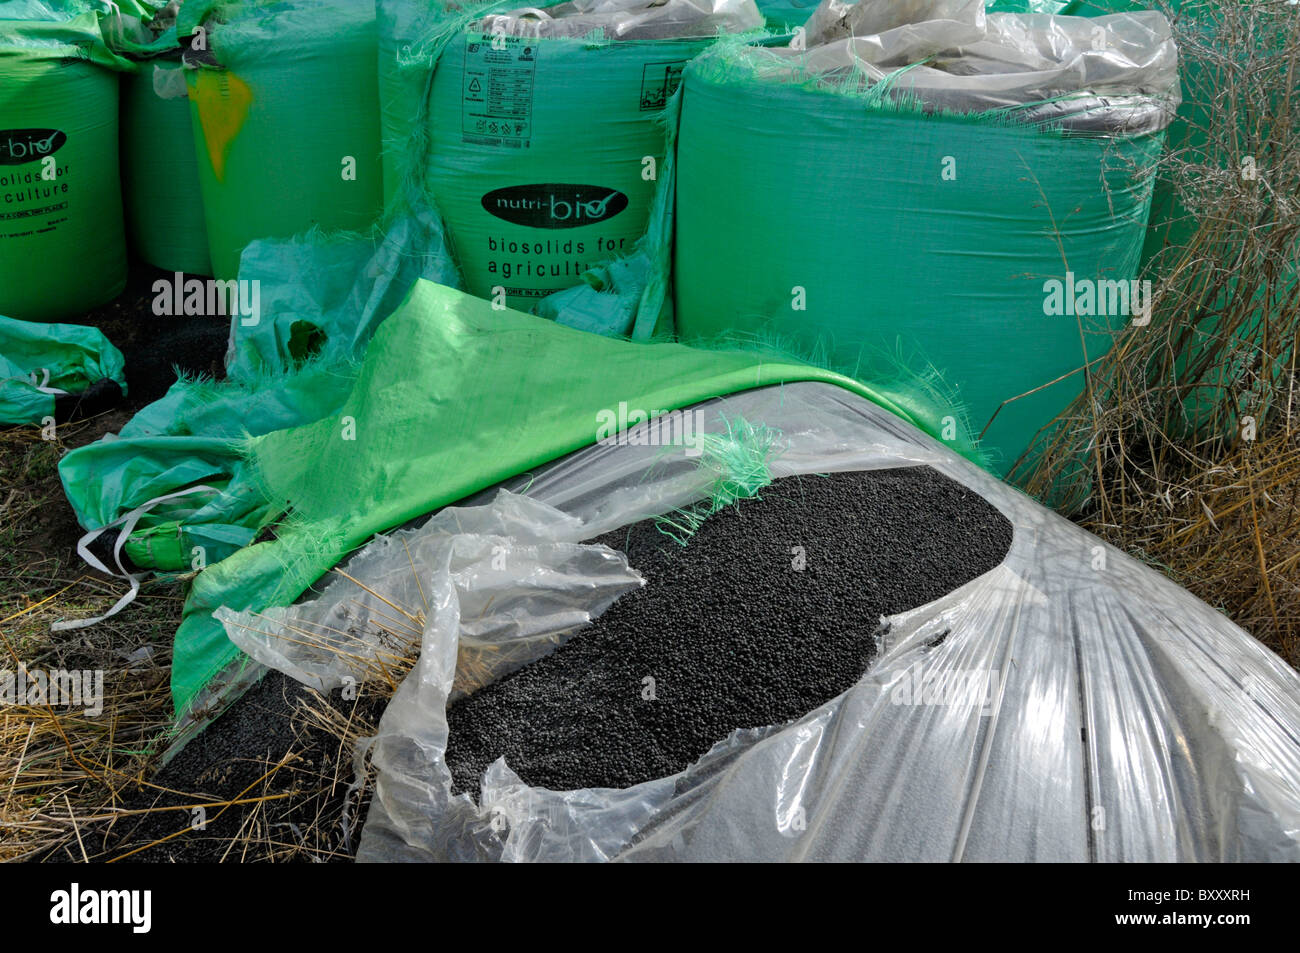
(899, 32)
(552, 584)
(1119, 72)
(626, 19)
(414, 451)
(1117, 695)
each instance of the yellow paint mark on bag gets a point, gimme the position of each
(222, 100)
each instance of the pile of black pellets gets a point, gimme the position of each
(771, 610)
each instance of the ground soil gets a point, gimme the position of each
(270, 752)
(155, 345)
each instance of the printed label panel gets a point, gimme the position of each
(497, 90)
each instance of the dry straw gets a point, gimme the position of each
(1183, 447)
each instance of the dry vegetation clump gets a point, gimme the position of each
(1185, 446)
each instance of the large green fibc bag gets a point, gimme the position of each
(286, 122)
(62, 246)
(402, 25)
(546, 140)
(160, 177)
(856, 225)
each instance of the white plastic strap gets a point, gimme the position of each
(43, 384)
(128, 522)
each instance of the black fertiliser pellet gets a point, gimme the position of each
(770, 611)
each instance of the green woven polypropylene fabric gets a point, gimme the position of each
(195, 436)
(106, 480)
(533, 202)
(67, 357)
(453, 397)
(325, 294)
(160, 176)
(786, 14)
(811, 214)
(286, 127)
(62, 243)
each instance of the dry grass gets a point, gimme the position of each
(63, 771)
(1184, 443)
(71, 782)
(300, 807)
(1228, 531)
(393, 645)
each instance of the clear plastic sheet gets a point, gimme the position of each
(1103, 713)
(628, 19)
(516, 557)
(1117, 72)
(899, 32)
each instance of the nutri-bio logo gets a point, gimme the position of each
(18, 146)
(554, 205)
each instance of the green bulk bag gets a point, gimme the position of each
(62, 244)
(546, 139)
(40, 363)
(160, 177)
(286, 128)
(403, 78)
(822, 214)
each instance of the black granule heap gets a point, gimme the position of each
(770, 611)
